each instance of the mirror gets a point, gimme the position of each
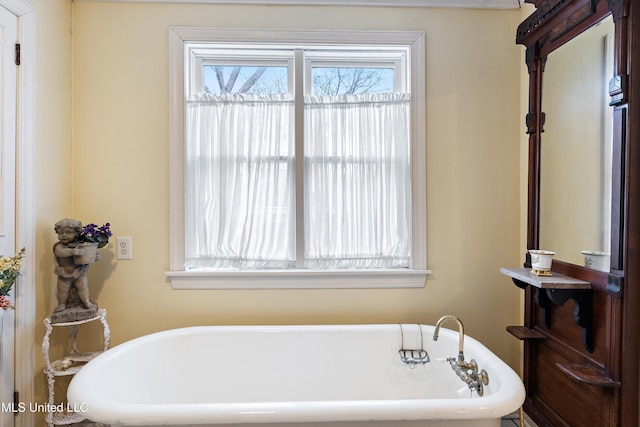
(575, 165)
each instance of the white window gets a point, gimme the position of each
(297, 159)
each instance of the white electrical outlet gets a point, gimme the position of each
(123, 248)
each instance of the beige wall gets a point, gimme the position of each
(103, 140)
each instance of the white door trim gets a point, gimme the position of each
(25, 301)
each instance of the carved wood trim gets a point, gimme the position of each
(545, 10)
(618, 8)
(574, 19)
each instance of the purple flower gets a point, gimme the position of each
(94, 234)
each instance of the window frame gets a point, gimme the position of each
(414, 276)
(198, 60)
(364, 59)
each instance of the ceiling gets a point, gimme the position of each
(469, 4)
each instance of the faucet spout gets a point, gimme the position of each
(466, 371)
(460, 332)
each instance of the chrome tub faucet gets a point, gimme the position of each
(460, 332)
(467, 371)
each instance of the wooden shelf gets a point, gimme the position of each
(555, 281)
(558, 289)
(588, 375)
(524, 333)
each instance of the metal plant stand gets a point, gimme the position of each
(69, 365)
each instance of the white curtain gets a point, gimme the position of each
(357, 181)
(239, 181)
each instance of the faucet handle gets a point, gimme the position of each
(472, 364)
(483, 377)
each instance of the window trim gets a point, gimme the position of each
(414, 276)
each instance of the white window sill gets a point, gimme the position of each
(298, 279)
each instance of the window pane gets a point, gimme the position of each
(331, 81)
(263, 80)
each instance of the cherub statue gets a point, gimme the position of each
(69, 274)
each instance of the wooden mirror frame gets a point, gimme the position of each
(610, 369)
(554, 23)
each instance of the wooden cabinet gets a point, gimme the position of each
(581, 346)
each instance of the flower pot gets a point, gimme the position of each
(89, 253)
(541, 261)
(596, 260)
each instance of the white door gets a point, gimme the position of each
(8, 107)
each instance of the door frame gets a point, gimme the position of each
(25, 301)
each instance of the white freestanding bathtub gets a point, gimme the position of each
(344, 375)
